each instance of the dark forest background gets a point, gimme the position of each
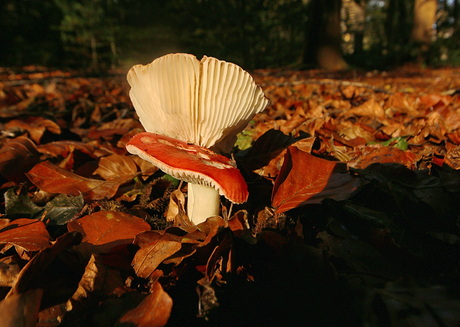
(330, 34)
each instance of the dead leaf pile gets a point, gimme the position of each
(352, 217)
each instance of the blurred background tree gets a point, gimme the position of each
(331, 34)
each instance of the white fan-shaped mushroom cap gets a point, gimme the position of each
(205, 102)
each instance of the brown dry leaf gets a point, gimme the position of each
(401, 103)
(153, 311)
(33, 272)
(21, 310)
(370, 108)
(63, 148)
(364, 156)
(116, 167)
(97, 278)
(104, 230)
(8, 274)
(147, 168)
(305, 179)
(173, 245)
(18, 156)
(176, 209)
(149, 257)
(27, 234)
(53, 179)
(36, 126)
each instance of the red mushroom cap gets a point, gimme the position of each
(191, 163)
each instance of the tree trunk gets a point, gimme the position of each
(323, 36)
(424, 18)
(422, 30)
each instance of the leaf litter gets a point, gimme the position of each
(352, 218)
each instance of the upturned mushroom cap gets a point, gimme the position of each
(205, 102)
(191, 163)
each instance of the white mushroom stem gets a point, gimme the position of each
(203, 202)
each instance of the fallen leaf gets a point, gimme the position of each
(362, 157)
(97, 278)
(17, 156)
(63, 148)
(28, 234)
(153, 311)
(53, 179)
(36, 126)
(20, 205)
(21, 310)
(104, 230)
(63, 208)
(304, 179)
(116, 167)
(370, 108)
(33, 271)
(148, 258)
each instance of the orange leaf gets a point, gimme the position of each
(53, 179)
(364, 156)
(304, 179)
(153, 311)
(108, 229)
(27, 234)
(116, 167)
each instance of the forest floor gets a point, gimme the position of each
(353, 217)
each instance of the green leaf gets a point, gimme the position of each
(20, 206)
(244, 140)
(397, 142)
(63, 208)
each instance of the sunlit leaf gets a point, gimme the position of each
(27, 234)
(105, 230)
(153, 311)
(307, 179)
(53, 179)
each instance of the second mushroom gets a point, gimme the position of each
(192, 111)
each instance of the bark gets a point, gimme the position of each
(424, 18)
(323, 36)
(422, 30)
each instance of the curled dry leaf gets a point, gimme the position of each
(28, 234)
(153, 311)
(17, 156)
(36, 126)
(97, 278)
(53, 179)
(176, 209)
(104, 230)
(304, 179)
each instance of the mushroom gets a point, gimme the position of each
(192, 110)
